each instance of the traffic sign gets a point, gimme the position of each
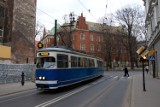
(140, 50)
(144, 53)
(152, 58)
(151, 52)
(40, 45)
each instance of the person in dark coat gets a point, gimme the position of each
(126, 71)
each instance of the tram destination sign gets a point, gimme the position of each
(43, 54)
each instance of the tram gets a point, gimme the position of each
(59, 67)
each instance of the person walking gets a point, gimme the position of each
(126, 71)
(146, 69)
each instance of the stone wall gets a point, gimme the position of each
(24, 16)
(11, 73)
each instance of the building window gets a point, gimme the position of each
(49, 40)
(102, 38)
(98, 38)
(91, 47)
(98, 48)
(82, 36)
(82, 47)
(91, 37)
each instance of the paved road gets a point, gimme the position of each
(107, 91)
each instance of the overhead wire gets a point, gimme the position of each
(88, 10)
(46, 21)
(48, 15)
(43, 13)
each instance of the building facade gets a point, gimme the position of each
(17, 29)
(152, 21)
(96, 39)
(101, 40)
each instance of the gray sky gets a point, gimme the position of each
(49, 10)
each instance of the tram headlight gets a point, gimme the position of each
(40, 78)
(43, 78)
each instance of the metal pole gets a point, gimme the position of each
(55, 34)
(153, 64)
(144, 88)
(72, 20)
(154, 71)
(70, 35)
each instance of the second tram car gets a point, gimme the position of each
(59, 67)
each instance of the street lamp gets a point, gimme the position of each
(142, 51)
(72, 20)
(143, 59)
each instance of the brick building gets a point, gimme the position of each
(94, 38)
(17, 29)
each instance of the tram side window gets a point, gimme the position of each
(62, 61)
(86, 62)
(73, 61)
(80, 62)
(91, 63)
(100, 64)
(79, 65)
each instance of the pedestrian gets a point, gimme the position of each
(146, 68)
(126, 71)
(22, 81)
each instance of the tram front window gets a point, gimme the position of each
(46, 62)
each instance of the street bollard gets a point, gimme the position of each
(22, 81)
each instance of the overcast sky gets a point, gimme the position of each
(49, 10)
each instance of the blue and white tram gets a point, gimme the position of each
(59, 67)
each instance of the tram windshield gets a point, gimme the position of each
(45, 62)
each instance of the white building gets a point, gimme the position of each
(152, 9)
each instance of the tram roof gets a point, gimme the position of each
(66, 50)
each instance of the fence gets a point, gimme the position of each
(11, 73)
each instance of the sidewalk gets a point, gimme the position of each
(148, 98)
(6, 89)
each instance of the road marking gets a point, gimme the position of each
(61, 97)
(115, 77)
(122, 77)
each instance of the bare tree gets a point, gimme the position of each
(39, 29)
(143, 32)
(130, 18)
(64, 35)
(106, 28)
